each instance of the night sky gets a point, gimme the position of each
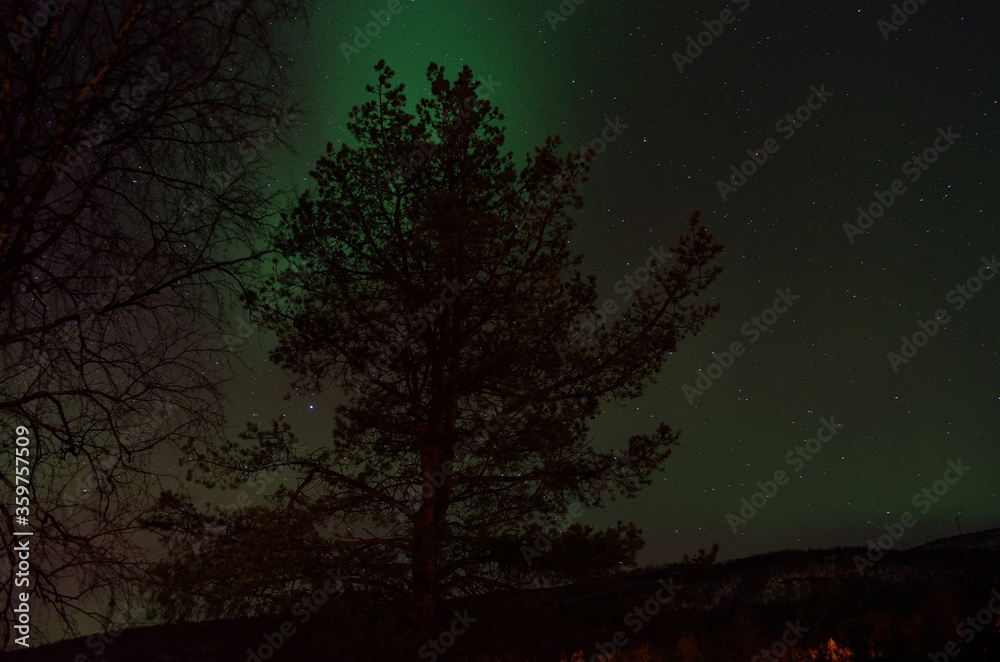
(884, 95)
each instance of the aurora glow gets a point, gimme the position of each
(783, 229)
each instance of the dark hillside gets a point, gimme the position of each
(906, 604)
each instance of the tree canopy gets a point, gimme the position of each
(131, 136)
(431, 279)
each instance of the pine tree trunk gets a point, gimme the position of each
(428, 529)
(424, 571)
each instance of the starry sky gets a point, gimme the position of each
(834, 101)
